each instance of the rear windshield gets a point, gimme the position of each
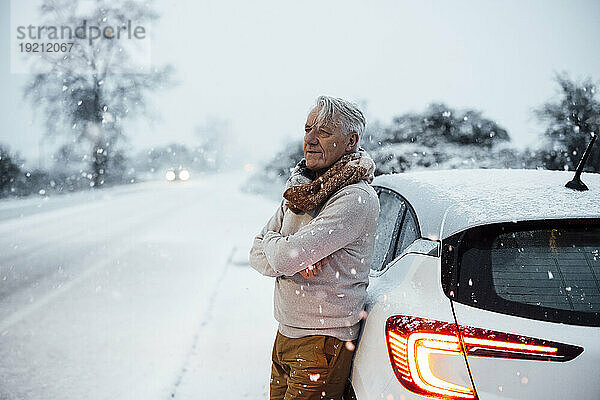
(546, 270)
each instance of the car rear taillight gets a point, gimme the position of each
(412, 341)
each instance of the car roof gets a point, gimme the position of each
(449, 201)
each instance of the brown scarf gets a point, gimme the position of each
(349, 169)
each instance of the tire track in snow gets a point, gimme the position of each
(208, 313)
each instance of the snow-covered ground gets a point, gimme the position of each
(136, 292)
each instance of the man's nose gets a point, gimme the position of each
(310, 137)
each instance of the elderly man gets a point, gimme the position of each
(319, 245)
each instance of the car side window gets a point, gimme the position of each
(408, 232)
(390, 214)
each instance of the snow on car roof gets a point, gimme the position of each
(449, 201)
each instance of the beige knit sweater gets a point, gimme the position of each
(343, 230)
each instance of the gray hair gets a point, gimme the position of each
(350, 116)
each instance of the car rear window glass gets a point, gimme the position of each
(543, 270)
(555, 268)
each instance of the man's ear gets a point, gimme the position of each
(352, 141)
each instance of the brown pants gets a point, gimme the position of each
(312, 367)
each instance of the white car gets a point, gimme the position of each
(485, 284)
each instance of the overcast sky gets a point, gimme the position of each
(261, 64)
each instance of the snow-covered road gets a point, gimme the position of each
(135, 292)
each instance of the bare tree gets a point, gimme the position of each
(87, 93)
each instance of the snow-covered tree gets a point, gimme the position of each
(10, 171)
(439, 137)
(279, 168)
(16, 180)
(86, 94)
(570, 120)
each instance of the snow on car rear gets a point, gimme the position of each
(514, 286)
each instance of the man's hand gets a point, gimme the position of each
(313, 270)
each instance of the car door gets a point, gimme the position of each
(526, 298)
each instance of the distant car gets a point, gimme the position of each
(485, 284)
(177, 174)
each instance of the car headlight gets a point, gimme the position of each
(170, 175)
(184, 174)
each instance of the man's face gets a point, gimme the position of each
(324, 145)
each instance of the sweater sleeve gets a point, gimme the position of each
(257, 258)
(340, 222)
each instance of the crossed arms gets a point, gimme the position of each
(339, 223)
